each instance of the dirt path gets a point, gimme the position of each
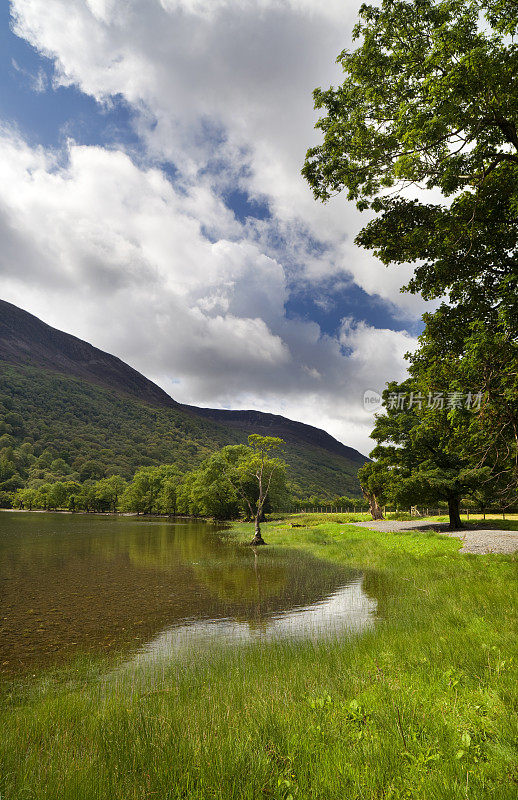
(475, 540)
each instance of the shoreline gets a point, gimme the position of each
(105, 514)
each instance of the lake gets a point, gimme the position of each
(153, 589)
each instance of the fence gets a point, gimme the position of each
(414, 511)
(464, 512)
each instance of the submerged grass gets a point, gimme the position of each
(420, 707)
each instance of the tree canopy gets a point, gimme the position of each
(429, 102)
(420, 456)
(429, 98)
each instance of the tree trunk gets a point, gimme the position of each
(258, 539)
(454, 512)
(374, 507)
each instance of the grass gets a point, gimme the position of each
(420, 707)
(495, 521)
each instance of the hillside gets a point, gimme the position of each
(68, 409)
(27, 341)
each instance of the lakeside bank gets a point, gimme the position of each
(420, 707)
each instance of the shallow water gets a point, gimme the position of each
(149, 589)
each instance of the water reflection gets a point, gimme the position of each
(72, 584)
(347, 610)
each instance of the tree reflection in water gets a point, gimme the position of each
(95, 584)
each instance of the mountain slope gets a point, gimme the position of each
(26, 340)
(63, 400)
(287, 429)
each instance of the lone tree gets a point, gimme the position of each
(235, 481)
(258, 467)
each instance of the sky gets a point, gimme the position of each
(152, 203)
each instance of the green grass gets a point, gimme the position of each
(491, 522)
(420, 707)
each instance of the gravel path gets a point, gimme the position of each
(474, 540)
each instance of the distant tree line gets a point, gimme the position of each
(223, 487)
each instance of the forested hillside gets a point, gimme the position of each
(54, 428)
(69, 411)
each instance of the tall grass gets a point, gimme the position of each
(420, 707)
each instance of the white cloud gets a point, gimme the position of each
(223, 91)
(114, 254)
(245, 68)
(242, 68)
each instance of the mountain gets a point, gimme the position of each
(63, 400)
(27, 341)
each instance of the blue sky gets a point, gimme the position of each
(155, 207)
(48, 115)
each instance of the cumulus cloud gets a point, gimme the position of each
(115, 254)
(223, 88)
(161, 272)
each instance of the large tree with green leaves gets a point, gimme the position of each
(208, 490)
(485, 365)
(430, 102)
(152, 490)
(418, 457)
(109, 490)
(429, 99)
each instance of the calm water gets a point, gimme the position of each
(72, 584)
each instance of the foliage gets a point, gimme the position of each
(430, 102)
(153, 490)
(225, 486)
(486, 365)
(429, 97)
(208, 491)
(109, 490)
(256, 474)
(374, 480)
(419, 456)
(59, 429)
(467, 248)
